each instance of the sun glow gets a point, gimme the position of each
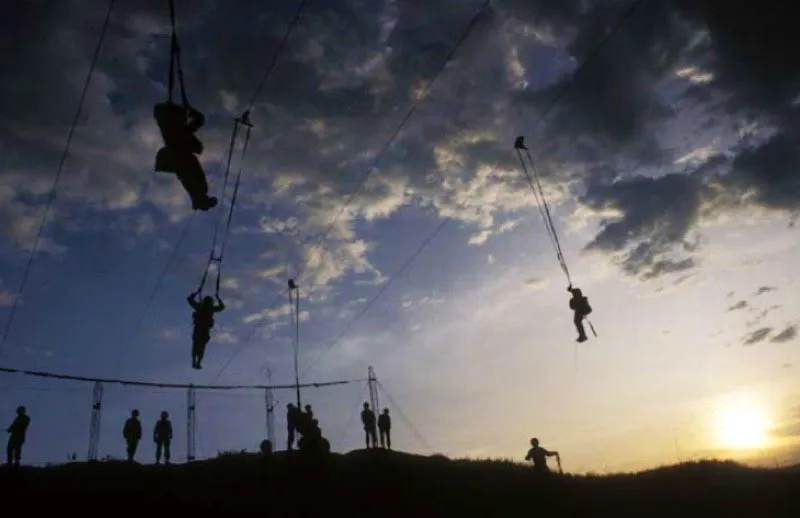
(741, 425)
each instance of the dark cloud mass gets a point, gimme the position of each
(786, 335)
(671, 75)
(757, 336)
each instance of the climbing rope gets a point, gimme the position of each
(217, 239)
(541, 200)
(175, 59)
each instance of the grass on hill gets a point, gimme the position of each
(380, 483)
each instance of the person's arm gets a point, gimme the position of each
(220, 305)
(550, 453)
(198, 119)
(192, 300)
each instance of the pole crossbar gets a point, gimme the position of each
(53, 375)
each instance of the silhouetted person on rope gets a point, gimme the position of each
(178, 125)
(203, 322)
(370, 429)
(132, 432)
(292, 424)
(162, 436)
(579, 304)
(539, 457)
(16, 436)
(385, 429)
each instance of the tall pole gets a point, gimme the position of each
(270, 405)
(372, 380)
(191, 424)
(295, 309)
(94, 426)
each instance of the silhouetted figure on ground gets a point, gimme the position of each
(579, 304)
(312, 442)
(16, 436)
(305, 421)
(370, 429)
(178, 125)
(265, 447)
(385, 428)
(162, 436)
(292, 424)
(203, 317)
(132, 432)
(539, 457)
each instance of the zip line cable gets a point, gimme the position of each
(550, 228)
(53, 375)
(59, 170)
(405, 419)
(271, 66)
(372, 167)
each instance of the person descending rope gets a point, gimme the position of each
(203, 317)
(579, 303)
(178, 125)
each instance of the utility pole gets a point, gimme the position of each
(269, 402)
(372, 381)
(294, 307)
(191, 424)
(94, 425)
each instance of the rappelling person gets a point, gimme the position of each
(16, 436)
(162, 436)
(370, 426)
(539, 455)
(579, 304)
(203, 317)
(132, 432)
(178, 125)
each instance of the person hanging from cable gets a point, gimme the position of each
(579, 304)
(178, 125)
(203, 317)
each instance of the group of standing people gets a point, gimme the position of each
(372, 426)
(162, 436)
(304, 423)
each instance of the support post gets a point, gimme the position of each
(372, 381)
(270, 404)
(294, 307)
(94, 425)
(191, 424)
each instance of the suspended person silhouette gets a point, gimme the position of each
(385, 429)
(370, 430)
(292, 424)
(162, 436)
(539, 455)
(132, 432)
(203, 317)
(579, 304)
(16, 436)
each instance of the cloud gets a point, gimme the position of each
(742, 304)
(757, 336)
(764, 289)
(786, 335)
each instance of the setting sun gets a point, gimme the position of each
(742, 427)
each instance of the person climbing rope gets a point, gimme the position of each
(203, 317)
(579, 304)
(178, 125)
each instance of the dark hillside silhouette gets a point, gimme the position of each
(384, 483)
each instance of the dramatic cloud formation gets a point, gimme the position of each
(381, 122)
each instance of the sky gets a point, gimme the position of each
(670, 164)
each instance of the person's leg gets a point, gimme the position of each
(166, 451)
(10, 451)
(201, 348)
(159, 445)
(578, 320)
(389, 439)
